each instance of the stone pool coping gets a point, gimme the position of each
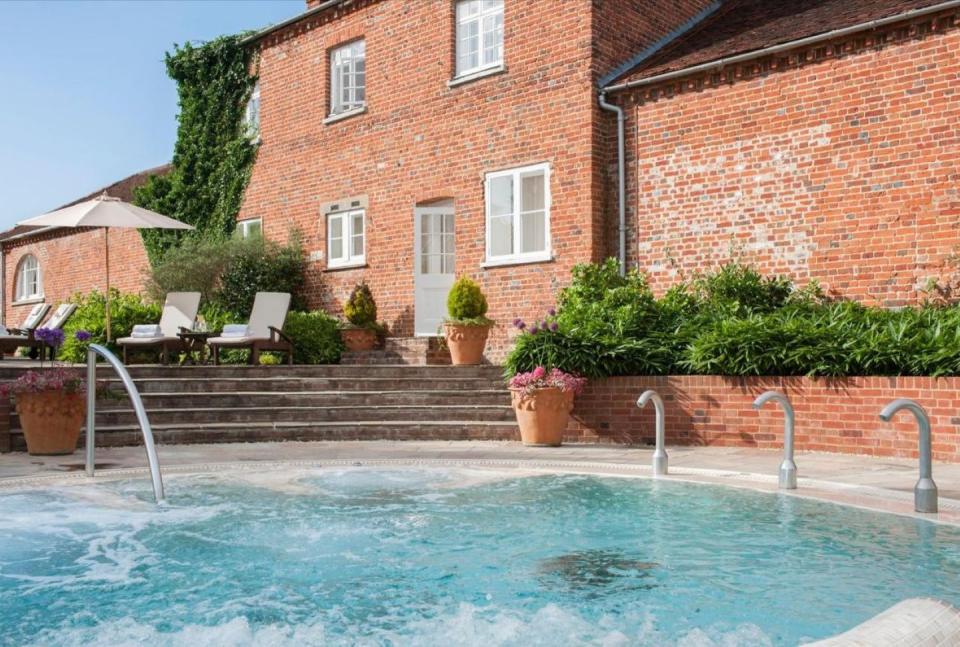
(883, 485)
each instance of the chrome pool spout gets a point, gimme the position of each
(659, 454)
(925, 491)
(114, 361)
(788, 468)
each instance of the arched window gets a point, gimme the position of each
(29, 285)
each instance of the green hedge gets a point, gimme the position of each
(126, 311)
(735, 322)
(316, 337)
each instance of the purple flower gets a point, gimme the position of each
(52, 337)
(82, 335)
(554, 327)
(534, 329)
(552, 312)
(518, 323)
(521, 325)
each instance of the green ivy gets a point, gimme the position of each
(213, 155)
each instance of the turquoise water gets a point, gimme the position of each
(450, 557)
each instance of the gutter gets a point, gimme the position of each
(320, 8)
(27, 234)
(773, 49)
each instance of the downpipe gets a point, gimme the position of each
(621, 179)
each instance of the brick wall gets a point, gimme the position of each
(73, 261)
(834, 415)
(839, 164)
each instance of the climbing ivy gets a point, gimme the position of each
(213, 155)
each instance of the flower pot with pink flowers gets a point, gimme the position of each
(51, 402)
(542, 401)
(466, 327)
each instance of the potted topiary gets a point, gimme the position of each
(542, 401)
(51, 403)
(361, 330)
(467, 326)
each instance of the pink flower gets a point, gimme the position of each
(539, 378)
(539, 373)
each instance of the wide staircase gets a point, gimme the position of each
(206, 404)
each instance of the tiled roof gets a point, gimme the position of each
(742, 26)
(122, 189)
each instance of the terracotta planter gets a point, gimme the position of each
(466, 343)
(359, 339)
(542, 416)
(51, 421)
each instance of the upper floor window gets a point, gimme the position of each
(249, 228)
(346, 238)
(479, 35)
(251, 117)
(518, 215)
(348, 78)
(28, 279)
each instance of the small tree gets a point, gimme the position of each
(466, 304)
(360, 309)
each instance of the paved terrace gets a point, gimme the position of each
(880, 484)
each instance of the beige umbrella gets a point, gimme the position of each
(105, 212)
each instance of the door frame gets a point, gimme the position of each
(418, 212)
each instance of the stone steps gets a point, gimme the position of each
(206, 404)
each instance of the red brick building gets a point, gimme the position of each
(412, 141)
(51, 264)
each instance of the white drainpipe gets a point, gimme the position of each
(621, 180)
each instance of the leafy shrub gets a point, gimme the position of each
(360, 309)
(466, 303)
(733, 322)
(228, 273)
(126, 311)
(316, 337)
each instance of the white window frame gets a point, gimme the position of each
(243, 226)
(23, 293)
(461, 20)
(347, 259)
(251, 114)
(516, 257)
(340, 70)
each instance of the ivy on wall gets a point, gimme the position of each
(213, 155)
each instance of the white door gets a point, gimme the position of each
(433, 273)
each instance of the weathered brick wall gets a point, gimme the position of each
(840, 164)
(834, 415)
(73, 261)
(420, 141)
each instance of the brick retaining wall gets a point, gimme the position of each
(834, 415)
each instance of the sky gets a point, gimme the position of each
(84, 96)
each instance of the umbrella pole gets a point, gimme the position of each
(106, 255)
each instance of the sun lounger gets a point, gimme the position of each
(24, 337)
(179, 313)
(264, 332)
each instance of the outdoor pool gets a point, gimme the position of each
(452, 556)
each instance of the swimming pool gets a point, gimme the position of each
(450, 556)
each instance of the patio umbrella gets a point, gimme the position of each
(106, 212)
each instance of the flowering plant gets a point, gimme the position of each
(52, 337)
(549, 323)
(540, 378)
(54, 379)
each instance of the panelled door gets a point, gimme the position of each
(433, 273)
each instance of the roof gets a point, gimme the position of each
(743, 26)
(320, 7)
(122, 189)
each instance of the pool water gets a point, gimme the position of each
(451, 557)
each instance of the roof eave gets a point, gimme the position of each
(320, 8)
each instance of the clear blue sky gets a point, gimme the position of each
(84, 96)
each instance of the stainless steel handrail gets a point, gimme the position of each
(660, 453)
(788, 468)
(925, 491)
(114, 361)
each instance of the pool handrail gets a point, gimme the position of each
(787, 479)
(92, 351)
(659, 453)
(925, 491)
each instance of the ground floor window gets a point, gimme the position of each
(518, 215)
(346, 238)
(250, 228)
(28, 279)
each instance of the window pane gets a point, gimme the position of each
(501, 236)
(531, 192)
(336, 227)
(357, 224)
(425, 244)
(533, 232)
(336, 249)
(501, 195)
(467, 8)
(357, 246)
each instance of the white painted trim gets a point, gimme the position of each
(347, 260)
(242, 226)
(340, 116)
(516, 258)
(459, 22)
(480, 73)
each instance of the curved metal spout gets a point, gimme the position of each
(92, 352)
(788, 468)
(925, 491)
(660, 453)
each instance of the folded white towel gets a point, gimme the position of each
(235, 330)
(146, 330)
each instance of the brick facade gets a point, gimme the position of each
(835, 415)
(73, 261)
(837, 163)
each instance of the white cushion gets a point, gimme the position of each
(235, 330)
(146, 330)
